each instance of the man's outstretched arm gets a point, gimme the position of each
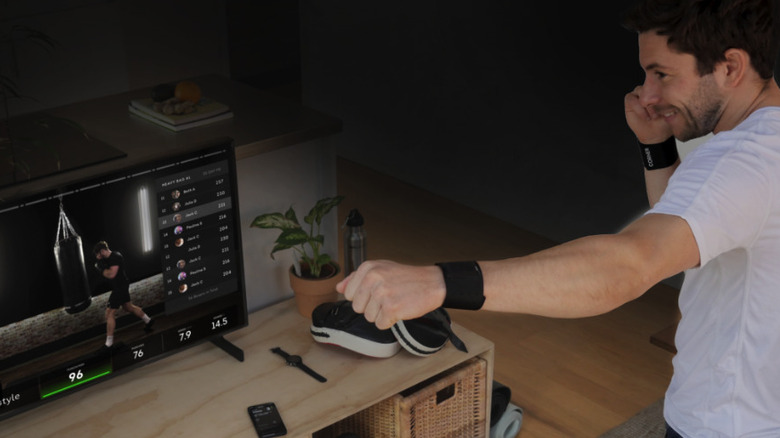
(584, 277)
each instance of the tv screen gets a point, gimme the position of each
(101, 276)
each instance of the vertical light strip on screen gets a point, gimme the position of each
(144, 218)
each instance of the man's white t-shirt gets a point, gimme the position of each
(726, 379)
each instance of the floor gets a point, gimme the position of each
(573, 378)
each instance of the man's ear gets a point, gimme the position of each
(735, 67)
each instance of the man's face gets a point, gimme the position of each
(691, 104)
(102, 254)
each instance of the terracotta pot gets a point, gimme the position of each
(311, 292)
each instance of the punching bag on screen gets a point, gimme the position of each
(71, 268)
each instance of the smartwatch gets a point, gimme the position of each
(297, 362)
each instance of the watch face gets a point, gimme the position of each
(294, 360)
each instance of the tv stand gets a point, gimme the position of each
(197, 393)
(229, 347)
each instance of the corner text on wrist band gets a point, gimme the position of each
(659, 155)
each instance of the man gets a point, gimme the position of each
(716, 215)
(111, 266)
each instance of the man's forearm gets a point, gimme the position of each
(594, 274)
(584, 277)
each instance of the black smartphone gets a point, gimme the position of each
(268, 423)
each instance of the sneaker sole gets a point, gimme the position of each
(354, 343)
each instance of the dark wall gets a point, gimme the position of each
(264, 43)
(514, 108)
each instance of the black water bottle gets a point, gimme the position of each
(354, 242)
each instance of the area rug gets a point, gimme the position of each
(648, 423)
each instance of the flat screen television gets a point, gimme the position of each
(172, 232)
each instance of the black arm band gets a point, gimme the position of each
(463, 281)
(659, 155)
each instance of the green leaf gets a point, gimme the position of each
(289, 239)
(278, 247)
(323, 259)
(290, 215)
(276, 220)
(317, 239)
(292, 237)
(322, 208)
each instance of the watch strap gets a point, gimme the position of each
(312, 373)
(280, 352)
(299, 364)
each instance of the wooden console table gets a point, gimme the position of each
(203, 392)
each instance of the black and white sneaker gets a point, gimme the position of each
(337, 324)
(428, 334)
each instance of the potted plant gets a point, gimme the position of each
(314, 275)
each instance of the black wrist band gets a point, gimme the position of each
(659, 155)
(463, 281)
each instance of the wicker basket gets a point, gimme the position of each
(451, 404)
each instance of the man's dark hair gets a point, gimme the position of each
(99, 246)
(707, 28)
